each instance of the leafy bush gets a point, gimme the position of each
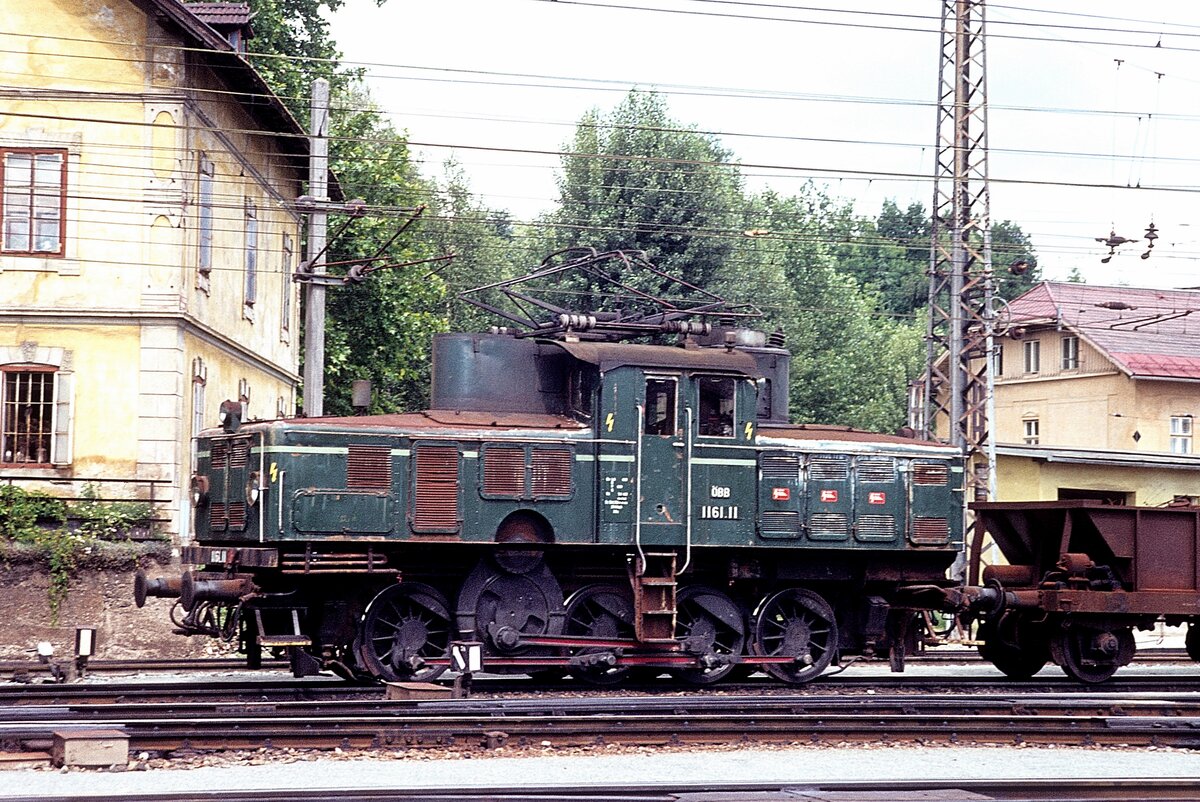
(25, 513)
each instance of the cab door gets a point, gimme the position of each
(661, 468)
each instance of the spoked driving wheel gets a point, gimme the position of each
(1092, 655)
(713, 627)
(404, 626)
(799, 624)
(599, 611)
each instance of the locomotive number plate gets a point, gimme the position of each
(719, 512)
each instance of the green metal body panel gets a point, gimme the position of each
(619, 481)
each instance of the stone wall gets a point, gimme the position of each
(99, 597)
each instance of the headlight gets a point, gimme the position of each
(252, 489)
(198, 488)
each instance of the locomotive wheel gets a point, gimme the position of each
(600, 611)
(796, 623)
(1092, 655)
(715, 626)
(500, 607)
(404, 625)
(1018, 648)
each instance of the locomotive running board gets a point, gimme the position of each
(654, 597)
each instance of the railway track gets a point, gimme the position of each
(1140, 790)
(642, 721)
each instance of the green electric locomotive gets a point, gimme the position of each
(572, 501)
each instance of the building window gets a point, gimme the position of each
(251, 294)
(1033, 356)
(1181, 434)
(288, 288)
(1070, 353)
(199, 382)
(1032, 431)
(33, 201)
(35, 413)
(998, 360)
(716, 406)
(205, 225)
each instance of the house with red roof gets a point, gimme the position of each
(1096, 394)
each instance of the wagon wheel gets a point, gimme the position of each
(403, 626)
(1018, 648)
(1191, 641)
(502, 607)
(796, 623)
(1091, 655)
(600, 611)
(714, 626)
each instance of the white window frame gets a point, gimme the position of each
(1031, 431)
(288, 288)
(33, 216)
(250, 287)
(1181, 434)
(61, 405)
(204, 223)
(1033, 356)
(1070, 353)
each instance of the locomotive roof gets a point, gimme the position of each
(845, 434)
(615, 355)
(438, 418)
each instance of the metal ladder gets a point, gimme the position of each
(654, 589)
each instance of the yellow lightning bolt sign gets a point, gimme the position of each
(274, 472)
(749, 430)
(609, 421)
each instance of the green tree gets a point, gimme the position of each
(637, 179)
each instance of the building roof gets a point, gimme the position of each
(1147, 333)
(220, 15)
(213, 48)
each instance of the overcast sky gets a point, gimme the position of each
(810, 93)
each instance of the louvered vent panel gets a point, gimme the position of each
(435, 502)
(216, 516)
(780, 523)
(504, 472)
(369, 468)
(552, 472)
(239, 452)
(237, 515)
(829, 469)
(780, 466)
(930, 530)
(925, 473)
(876, 469)
(219, 454)
(877, 526)
(828, 524)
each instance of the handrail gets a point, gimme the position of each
(637, 493)
(688, 438)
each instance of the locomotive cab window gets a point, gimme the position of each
(716, 406)
(581, 386)
(660, 407)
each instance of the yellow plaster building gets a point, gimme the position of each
(147, 243)
(1096, 393)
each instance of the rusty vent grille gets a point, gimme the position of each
(876, 527)
(828, 524)
(239, 452)
(218, 454)
(876, 469)
(926, 473)
(369, 468)
(780, 466)
(216, 515)
(435, 496)
(552, 473)
(828, 469)
(237, 515)
(780, 523)
(504, 472)
(931, 530)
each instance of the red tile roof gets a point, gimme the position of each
(1147, 333)
(222, 13)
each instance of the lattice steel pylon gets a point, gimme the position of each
(958, 380)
